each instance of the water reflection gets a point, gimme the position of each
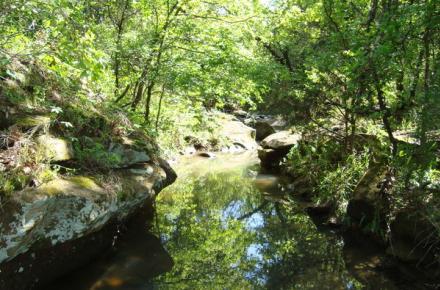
(226, 227)
(224, 234)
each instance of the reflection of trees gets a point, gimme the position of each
(204, 225)
(208, 247)
(254, 211)
(297, 256)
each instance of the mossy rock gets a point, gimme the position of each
(129, 156)
(78, 185)
(32, 121)
(56, 149)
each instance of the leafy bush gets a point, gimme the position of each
(337, 185)
(311, 158)
(94, 156)
(25, 164)
(332, 174)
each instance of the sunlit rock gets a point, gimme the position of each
(276, 146)
(53, 219)
(281, 140)
(56, 149)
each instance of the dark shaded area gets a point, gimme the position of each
(38, 267)
(136, 257)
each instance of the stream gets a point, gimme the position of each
(224, 225)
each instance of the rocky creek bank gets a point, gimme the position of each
(60, 222)
(406, 235)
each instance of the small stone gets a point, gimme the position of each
(206, 154)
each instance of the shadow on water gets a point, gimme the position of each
(137, 258)
(228, 227)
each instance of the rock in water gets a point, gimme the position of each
(48, 231)
(281, 140)
(275, 147)
(238, 133)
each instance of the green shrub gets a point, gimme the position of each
(311, 158)
(332, 174)
(94, 156)
(336, 186)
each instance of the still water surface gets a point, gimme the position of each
(223, 225)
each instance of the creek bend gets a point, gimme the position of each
(225, 225)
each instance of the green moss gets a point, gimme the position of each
(85, 182)
(31, 121)
(51, 189)
(56, 149)
(122, 195)
(46, 175)
(75, 184)
(12, 181)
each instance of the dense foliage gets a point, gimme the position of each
(339, 70)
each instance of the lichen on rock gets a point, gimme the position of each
(68, 208)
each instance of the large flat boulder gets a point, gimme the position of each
(275, 147)
(55, 219)
(238, 133)
(281, 140)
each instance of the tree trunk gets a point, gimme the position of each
(160, 107)
(138, 96)
(385, 115)
(148, 102)
(425, 117)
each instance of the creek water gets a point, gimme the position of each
(224, 225)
